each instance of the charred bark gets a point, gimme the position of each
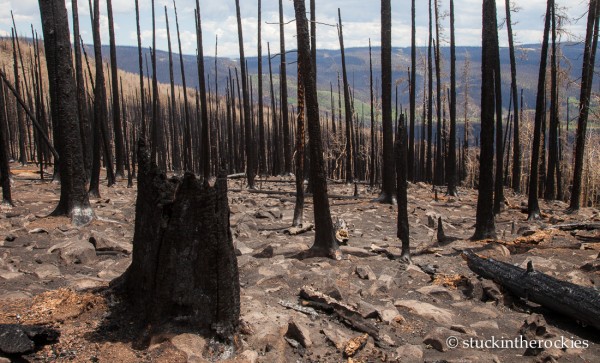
(183, 270)
(73, 196)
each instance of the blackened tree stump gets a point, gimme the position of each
(184, 269)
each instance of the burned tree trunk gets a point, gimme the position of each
(587, 78)
(403, 231)
(348, 111)
(451, 163)
(285, 123)
(73, 196)
(183, 266)
(299, 207)
(516, 168)
(246, 99)
(413, 94)
(484, 225)
(4, 165)
(117, 125)
(325, 242)
(533, 204)
(388, 187)
(578, 302)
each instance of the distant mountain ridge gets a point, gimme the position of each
(357, 60)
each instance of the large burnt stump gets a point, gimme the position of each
(184, 270)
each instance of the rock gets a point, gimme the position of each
(267, 252)
(242, 249)
(365, 272)
(10, 237)
(190, 344)
(463, 329)
(86, 283)
(23, 339)
(299, 333)
(249, 356)
(389, 315)
(416, 273)
(483, 310)
(368, 311)
(409, 353)
(439, 292)
(427, 311)
(263, 214)
(103, 243)
(37, 231)
(10, 275)
(432, 218)
(437, 338)
(538, 262)
(74, 251)
(336, 336)
(355, 251)
(485, 324)
(535, 328)
(275, 212)
(47, 270)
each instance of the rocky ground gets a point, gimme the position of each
(54, 274)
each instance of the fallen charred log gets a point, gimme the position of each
(578, 302)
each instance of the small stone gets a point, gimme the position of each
(267, 252)
(37, 231)
(47, 271)
(485, 324)
(463, 329)
(409, 353)
(10, 238)
(250, 356)
(426, 310)
(299, 333)
(437, 338)
(439, 292)
(275, 212)
(365, 272)
(190, 344)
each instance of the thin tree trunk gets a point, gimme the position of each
(287, 153)
(413, 95)
(117, 126)
(516, 167)
(589, 56)
(348, 111)
(451, 164)
(485, 225)
(388, 188)
(533, 206)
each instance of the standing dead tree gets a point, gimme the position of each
(325, 242)
(73, 196)
(484, 225)
(587, 77)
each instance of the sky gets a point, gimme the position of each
(361, 22)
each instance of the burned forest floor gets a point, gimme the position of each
(57, 275)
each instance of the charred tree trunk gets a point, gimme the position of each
(176, 158)
(533, 205)
(262, 147)
(325, 242)
(373, 154)
(499, 185)
(438, 174)
(550, 191)
(183, 270)
(4, 165)
(285, 121)
(187, 139)
(299, 207)
(403, 231)
(413, 95)
(388, 187)
(587, 77)
(485, 225)
(117, 126)
(84, 124)
(578, 302)
(73, 196)
(429, 162)
(348, 111)
(205, 157)
(20, 117)
(246, 99)
(101, 141)
(141, 70)
(451, 164)
(516, 167)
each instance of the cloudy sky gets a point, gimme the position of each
(361, 21)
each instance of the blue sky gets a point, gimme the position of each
(361, 21)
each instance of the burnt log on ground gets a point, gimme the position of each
(577, 226)
(578, 302)
(184, 270)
